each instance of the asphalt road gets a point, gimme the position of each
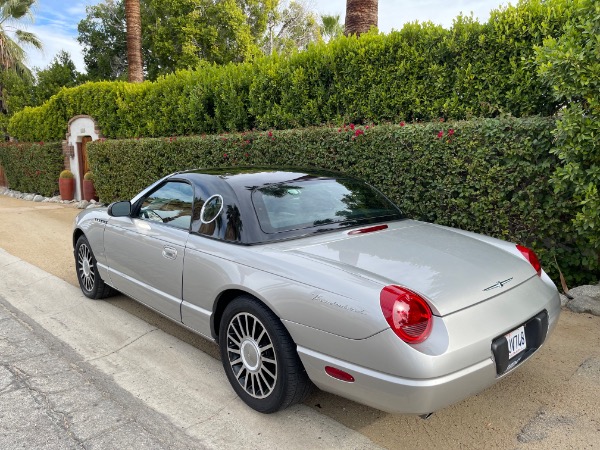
(553, 401)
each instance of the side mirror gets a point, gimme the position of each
(119, 209)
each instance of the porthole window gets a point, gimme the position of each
(211, 209)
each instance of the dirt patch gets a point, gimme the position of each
(39, 233)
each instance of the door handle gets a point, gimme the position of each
(169, 252)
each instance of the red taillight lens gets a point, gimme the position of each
(532, 258)
(407, 313)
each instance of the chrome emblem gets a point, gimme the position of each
(499, 284)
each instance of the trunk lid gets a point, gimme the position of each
(450, 269)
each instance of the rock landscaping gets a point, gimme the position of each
(585, 299)
(80, 204)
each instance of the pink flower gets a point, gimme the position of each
(270, 134)
(402, 124)
(358, 132)
(440, 134)
(41, 142)
(441, 119)
(352, 126)
(450, 132)
(339, 130)
(224, 155)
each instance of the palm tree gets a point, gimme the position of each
(361, 15)
(133, 20)
(331, 27)
(12, 55)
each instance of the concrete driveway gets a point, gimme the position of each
(553, 401)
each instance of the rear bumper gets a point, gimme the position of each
(395, 394)
(404, 395)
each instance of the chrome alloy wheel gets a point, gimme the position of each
(85, 267)
(251, 355)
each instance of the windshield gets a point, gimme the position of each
(320, 202)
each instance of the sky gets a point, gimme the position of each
(55, 21)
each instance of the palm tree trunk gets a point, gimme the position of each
(134, 41)
(361, 15)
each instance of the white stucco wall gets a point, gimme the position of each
(78, 128)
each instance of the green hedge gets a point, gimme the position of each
(489, 175)
(419, 73)
(32, 167)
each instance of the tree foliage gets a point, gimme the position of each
(176, 34)
(103, 36)
(60, 73)
(12, 36)
(180, 34)
(34, 90)
(331, 27)
(292, 27)
(570, 64)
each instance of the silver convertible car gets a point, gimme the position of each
(308, 276)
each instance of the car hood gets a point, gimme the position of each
(451, 269)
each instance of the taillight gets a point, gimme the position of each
(407, 313)
(532, 258)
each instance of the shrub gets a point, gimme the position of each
(421, 72)
(490, 175)
(32, 167)
(571, 65)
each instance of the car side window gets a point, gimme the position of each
(170, 204)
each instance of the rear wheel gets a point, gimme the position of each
(260, 358)
(90, 282)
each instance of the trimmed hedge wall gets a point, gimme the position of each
(491, 176)
(419, 73)
(32, 167)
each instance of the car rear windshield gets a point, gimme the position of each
(320, 203)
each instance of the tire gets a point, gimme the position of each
(260, 358)
(90, 282)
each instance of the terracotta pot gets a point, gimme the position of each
(89, 192)
(66, 187)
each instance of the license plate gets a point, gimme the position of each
(516, 341)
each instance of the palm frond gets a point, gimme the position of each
(25, 37)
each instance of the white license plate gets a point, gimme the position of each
(516, 341)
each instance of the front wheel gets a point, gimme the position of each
(86, 266)
(260, 358)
